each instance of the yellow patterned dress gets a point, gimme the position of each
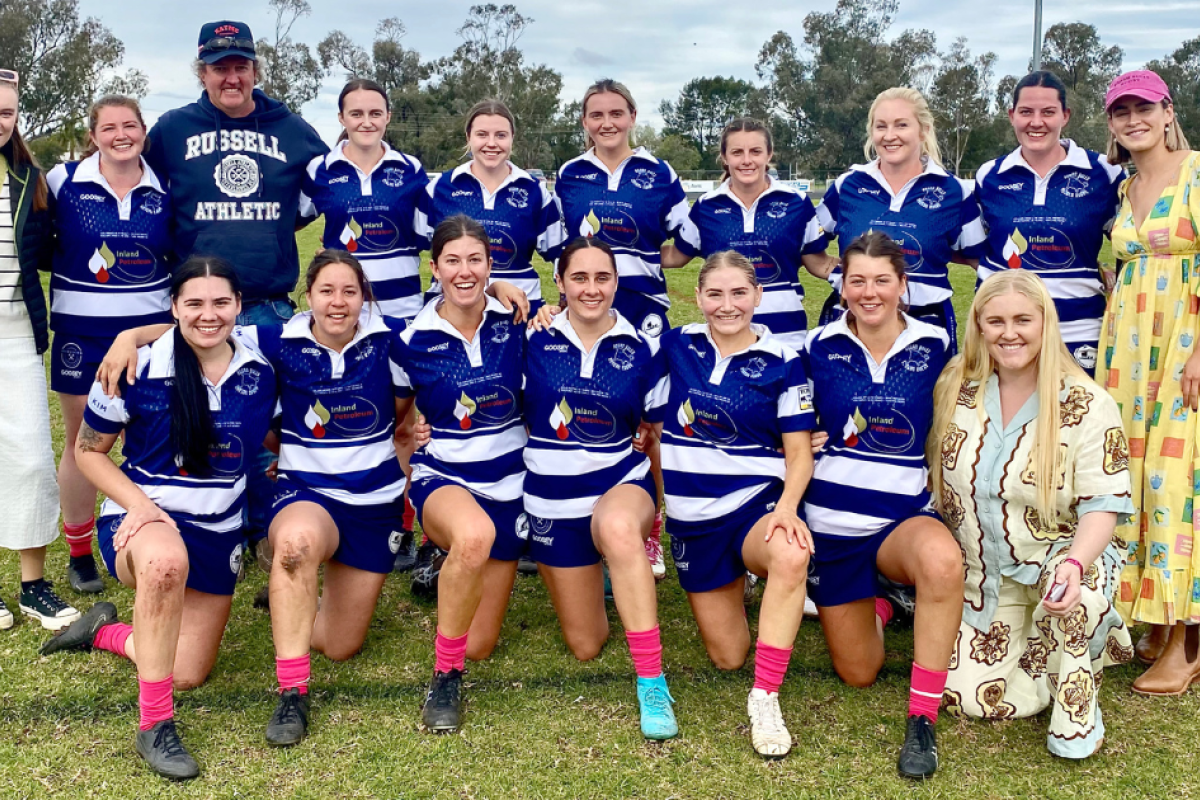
(1150, 330)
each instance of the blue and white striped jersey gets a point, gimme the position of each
(933, 216)
(774, 232)
(338, 409)
(470, 393)
(872, 471)
(583, 408)
(378, 216)
(520, 217)
(724, 421)
(241, 404)
(634, 210)
(110, 270)
(1054, 226)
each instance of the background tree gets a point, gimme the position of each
(705, 106)
(961, 97)
(1181, 71)
(1074, 52)
(676, 150)
(291, 74)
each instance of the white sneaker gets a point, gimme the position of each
(6, 617)
(768, 734)
(810, 608)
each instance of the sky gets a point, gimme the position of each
(652, 46)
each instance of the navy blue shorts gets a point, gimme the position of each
(842, 569)
(74, 361)
(368, 535)
(708, 555)
(568, 542)
(646, 315)
(507, 516)
(214, 559)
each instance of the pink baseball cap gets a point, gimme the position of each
(1143, 84)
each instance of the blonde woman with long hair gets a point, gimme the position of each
(904, 192)
(1151, 368)
(1029, 468)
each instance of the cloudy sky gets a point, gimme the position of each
(654, 46)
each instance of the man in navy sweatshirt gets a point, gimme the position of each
(234, 161)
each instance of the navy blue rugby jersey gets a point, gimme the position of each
(521, 217)
(774, 232)
(1054, 226)
(111, 256)
(242, 403)
(470, 392)
(378, 216)
(933, 217)
(583, 407)
(724, 420)
(634, 210)
(872, 472)
(338, 408)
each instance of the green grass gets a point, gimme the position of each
(539, 723)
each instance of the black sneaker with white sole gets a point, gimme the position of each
(430, 558)
(443, 705)
(6, 616)
(39, 601)
(83, 575)
(80, 634)
(918, 756)
(289, 722)
(164, 752)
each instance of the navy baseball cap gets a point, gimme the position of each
(225, 38)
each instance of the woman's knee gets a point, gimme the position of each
(296, 548)
(728, 657)
(185, 678)
(472, 544)
(338, 650)
(163, 572)
(940, 567)
(620, 535)
(858, 673)
(585, 645)
(788, 565)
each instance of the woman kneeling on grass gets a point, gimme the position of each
(873, 372)
(736, 460)
(172, 524)
(1038, 624)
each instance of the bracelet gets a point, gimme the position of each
(1076, 563)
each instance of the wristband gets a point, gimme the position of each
(1076, 563)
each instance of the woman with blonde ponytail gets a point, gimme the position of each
(1030, 471)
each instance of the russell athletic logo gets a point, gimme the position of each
(237, 175)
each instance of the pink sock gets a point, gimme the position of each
(449, 653)
(293, 673)
(156, 701)
(925, 696)
(770, 665)
(656, 528)
(79, 537)
(883, 610)
(113, 637)
(410, 514)
(646, 649)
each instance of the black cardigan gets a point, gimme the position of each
(32, 234)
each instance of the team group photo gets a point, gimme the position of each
(482, 430)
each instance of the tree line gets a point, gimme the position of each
(814, 87)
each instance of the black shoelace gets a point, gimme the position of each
(44, 594)
(289, 708)
(167, 740)
(445, 690)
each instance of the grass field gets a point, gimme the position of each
(540, 724)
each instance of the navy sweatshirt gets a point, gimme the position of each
(235, 187)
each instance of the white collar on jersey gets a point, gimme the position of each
(766, 341)
(428, 319)
(914, 329)
(929, 167)
(1076, 157)
(338, 153)
(623, 327)
(638, 152)
(161, 355)
(88, 171)
(726, 189)
(370, 321)
(515, 173)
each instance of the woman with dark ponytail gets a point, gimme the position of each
(171, 526)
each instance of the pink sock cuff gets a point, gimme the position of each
(884, 610)
(79, 537)
(449, 653)
(156, 701)
(293, 673)
(113, 637)
(645, 647)
(925, 696)
(770, 666)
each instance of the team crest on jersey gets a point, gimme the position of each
(500, 332)
(622, 357)
(1085, 356)
(931, 197)
(72, 355)
(540, 525)
(393, 177)
(754, 368)
(366, 351)
(777, 209)
(394, 541)
(518, 198)
(522, 526)
(643, 178)
(652, 325)
(1076, 185)
(917, 359)
(235, 559)
(247, 382)
(152, 203)
(237, 175)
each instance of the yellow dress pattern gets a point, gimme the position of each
(1150, 329)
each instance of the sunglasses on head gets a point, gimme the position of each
(225, 43)
(9, 75)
